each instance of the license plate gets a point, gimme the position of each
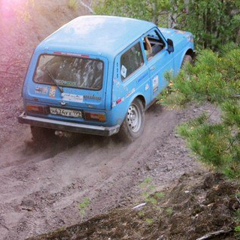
(66, 112)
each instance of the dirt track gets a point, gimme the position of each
(43, 186)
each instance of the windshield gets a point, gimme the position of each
(68, 71)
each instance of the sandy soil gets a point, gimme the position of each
(42, 187)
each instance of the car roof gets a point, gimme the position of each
(101, 35)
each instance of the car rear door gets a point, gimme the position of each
(77, 82)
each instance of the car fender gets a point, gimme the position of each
(132, 98)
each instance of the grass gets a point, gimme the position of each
(83, 207)
(73, 4)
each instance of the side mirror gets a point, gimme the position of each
(170, 47)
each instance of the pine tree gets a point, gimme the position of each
(215, 78)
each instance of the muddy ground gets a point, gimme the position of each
(56, 185)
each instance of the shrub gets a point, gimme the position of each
(215, 79)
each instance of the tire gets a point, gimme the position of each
(133, 125)
(187, 60)
(42, 135)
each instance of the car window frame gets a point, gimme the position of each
(139, 67)
(70, 56)
(162, 42)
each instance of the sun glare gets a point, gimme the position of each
(10, 8)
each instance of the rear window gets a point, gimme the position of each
(69, 71)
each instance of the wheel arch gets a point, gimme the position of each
(190, 52)
(130, 123)
(143, 100)
(133, 97)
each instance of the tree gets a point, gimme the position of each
(150, 10)
(213, 22)
(215, 79)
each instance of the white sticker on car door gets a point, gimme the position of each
(123, 71)
(155, 83)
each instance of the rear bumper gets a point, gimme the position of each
(68, 126)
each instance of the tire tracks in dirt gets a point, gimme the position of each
(44, 187)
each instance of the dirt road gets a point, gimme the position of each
(42, 187)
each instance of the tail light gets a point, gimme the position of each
(37, 109)
(99, 117)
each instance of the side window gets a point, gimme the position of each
(153, 43)
(131, 61)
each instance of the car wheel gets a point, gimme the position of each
(42, 135)
(133, 125)
(187, 60)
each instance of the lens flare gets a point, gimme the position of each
(10, 8)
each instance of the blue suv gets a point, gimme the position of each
(98, 74)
